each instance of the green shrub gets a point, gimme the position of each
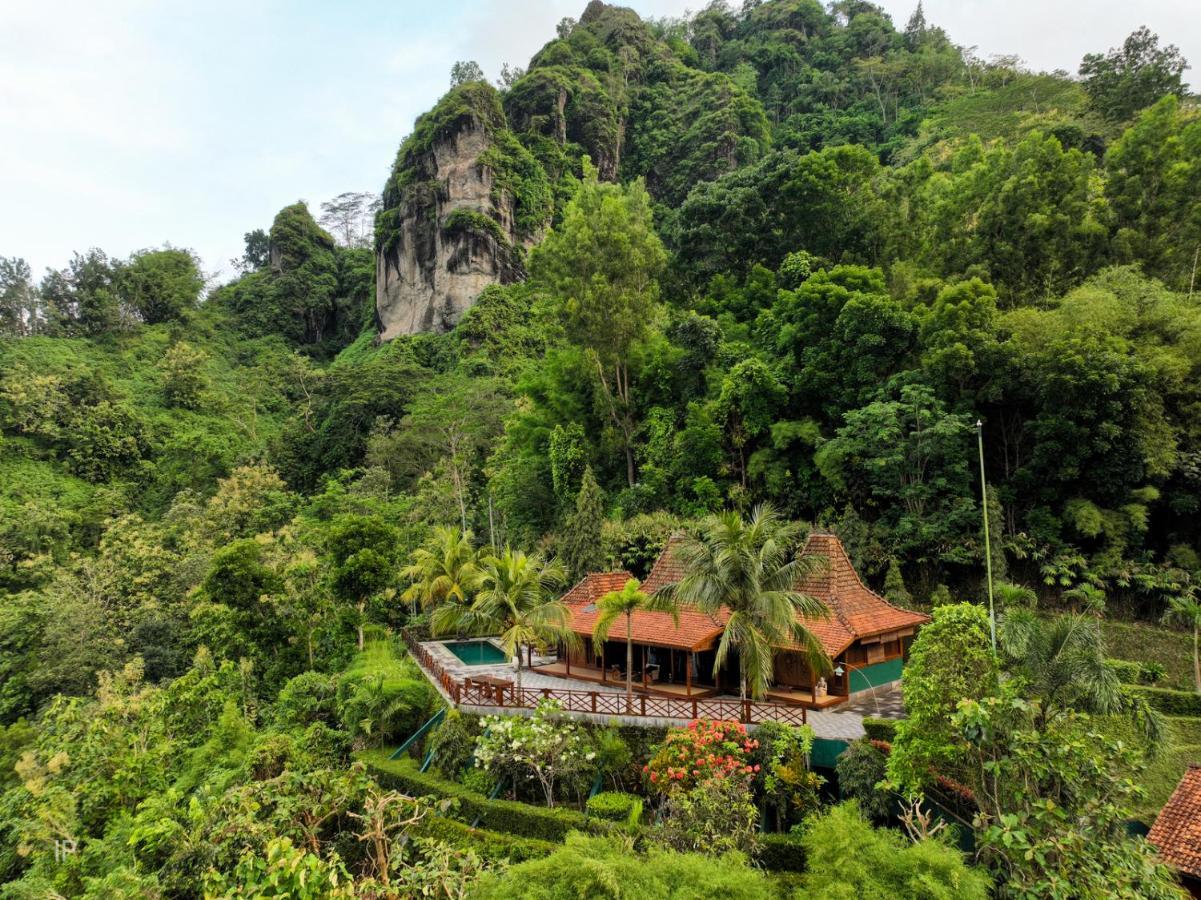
(609, 867)
(309, 697)
(1133, 672)
(781, 852)
(615, 806)
(715, 817)
(860, 768)
(453, 742)
(848, 858)
(1169, 702)
(497, 815)
(477, 780)
(880, 729)
(381, 711)
(492, 846)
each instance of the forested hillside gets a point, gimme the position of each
(785, 253)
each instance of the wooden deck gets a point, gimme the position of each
(656, 688)
(803, 697)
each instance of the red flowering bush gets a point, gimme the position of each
(703, 751)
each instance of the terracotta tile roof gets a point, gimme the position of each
(1176, 833)
(696, 631)
(667, 569)
(595, 585)
(855, 611)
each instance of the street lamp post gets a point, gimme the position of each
(992, 615)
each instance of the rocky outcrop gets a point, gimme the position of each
(453, 235)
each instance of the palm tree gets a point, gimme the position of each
(444, 569)
(1187, 609)
(1062, 661)
(629, 600)
(750, 568)
(517, 599)
(1012, 596)
(1086, 597)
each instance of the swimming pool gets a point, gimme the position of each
(477, 653)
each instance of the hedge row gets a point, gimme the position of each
(1132, 672)
(492, 846)
(781, 852)
(496, 815)
(1173, 703)
(880, 729)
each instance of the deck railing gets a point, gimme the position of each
(467, 692)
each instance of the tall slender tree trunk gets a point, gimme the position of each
(1197, 655)
(629, 664)
(362, 609)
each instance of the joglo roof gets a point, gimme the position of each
(855, 611)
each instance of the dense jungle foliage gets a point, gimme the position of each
(785, 253)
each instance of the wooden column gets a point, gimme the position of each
(688, 674)
(567, 657)
(644, 666)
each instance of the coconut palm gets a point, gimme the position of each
(1062, 661)
(445, 569)
(1186, 609)
(517, 599)
(629, 600)
(750, 569)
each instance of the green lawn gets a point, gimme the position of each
(1143, 642)
(1165, 771)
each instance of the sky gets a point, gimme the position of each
(130, 124)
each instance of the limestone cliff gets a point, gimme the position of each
(463, 200)
(478, 180)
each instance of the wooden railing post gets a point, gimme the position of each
(694, 715)
(593, 695)
(746, 711)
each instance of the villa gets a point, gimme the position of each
(866, 638)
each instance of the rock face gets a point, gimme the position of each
(454, 235)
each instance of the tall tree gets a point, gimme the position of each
(1131, 77)
(517, 600)
(83, 297)
(582, 531)
(161, 285)
(601, 267)
(629, 600)
(465, 70)
(748, 570)
(20, 309)
(350, 217)
(951, 660)
(445, 569)
(363, 549)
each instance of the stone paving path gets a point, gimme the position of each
(844, 722)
